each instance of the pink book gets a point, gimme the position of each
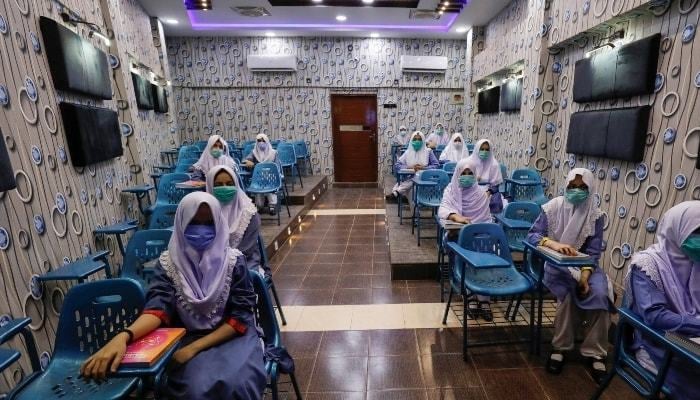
(147, 350)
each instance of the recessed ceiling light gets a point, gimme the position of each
(368, 1)
(269, 34)
(374, 35)
(341, 18)
(317, 1)
(461, 29)
(171, 21)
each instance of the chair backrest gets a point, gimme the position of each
(526, 174)
(201, 145)
(144, 246)
(432, 194)
(163, 216)
(504, 175)
(485, 238)
(435, 175)
(188, 152)
(266, 317)
(93, 313)
(285, 152)
(527, 192)
(167, 192)
(440, 147)
(449, 167)
(300, 149)
(266, 175)
(470, 147)
(247, 149)
(522, 210)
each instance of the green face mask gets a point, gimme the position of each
(466, 181)
(225, 193)
(216, 153)
(691, 247)
(576, 196)
(483, 154)
(417, 144)
(440, 131)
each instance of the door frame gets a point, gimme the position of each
(376, 134)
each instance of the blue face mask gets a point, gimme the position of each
(576, 196)
(262, 146)
(466, 181)
(200, 236)
(484, 154)
(691, 247)
(216, 153)
(440, 131)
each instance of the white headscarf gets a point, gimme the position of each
(207, 161)
(412, 157)
(264, 156)
(488, 170)
(402, 139)
(439, 140)
(238, 212)
(471, 202)
(450, 153)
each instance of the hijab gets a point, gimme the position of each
(264, 156)
(412, 157)
(202, 280)
(439, 139)
(672, 272)
(450, 153)
(488, 170)
(238, 212)
(471, 202)
(402, 139)
(207, 161)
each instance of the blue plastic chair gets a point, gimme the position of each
(167, 192)
(482, 265)
(449, 168)
(267, 179)
(201, 145)
(517, 219)
(470, 148)
(428, 194)
(163, 217)
(265, 265)
(303, 155)
(185, 164)
(144, 246)
(526, 185)
(504, 175)
(271, 334)
(247, 149)
(92, 314)
(288, 159)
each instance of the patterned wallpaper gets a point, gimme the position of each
(215, 93)
(633, 196)
(48, 220)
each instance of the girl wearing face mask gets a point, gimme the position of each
(263, 152)
(402, 138)
(416, 157)
(488, 173)
(662, 286)
(456, 150)
(216, 153)
(464, 201)
(240, 213)
(568, 224)
(200, 284)
(439, 137)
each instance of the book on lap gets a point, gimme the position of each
(690, 343)
(562, 257)
(451, 225)
(148, 350)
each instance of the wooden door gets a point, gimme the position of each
(354, 137)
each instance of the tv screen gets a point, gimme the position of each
(511, 95)
(143, 91)
(488, 100)
(7, 174)
(75, 64)
(92, 133)
(160, 100)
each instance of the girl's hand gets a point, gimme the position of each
(185, 354)
(583, 288)
(107, 358)
(561, 248)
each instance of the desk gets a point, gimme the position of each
(536, 330)
(189, 186)
(430, 201)
(140, 191)
(80, 269)
(169, 155)
(118, 230)
(402, 175)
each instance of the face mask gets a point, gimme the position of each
(691, 247)
(483, 154)
(417, 144)
(458, 146)
(224, 193)
(262, 146)
(216, 153)
(576, 196)
(403, 132)
(440, 131)
(466, 181)
(200, 236)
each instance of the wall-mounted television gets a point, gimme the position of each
(76, 65)
(511, 95)
(160, 100)
(488, 100)
(92, 133)
(7, 174)
(143, 92)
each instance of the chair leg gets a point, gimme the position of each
(295, 385)
(517, 307)
(447, 307)
(301, 182)
(277, 301)
(464, 330)
(273, 387)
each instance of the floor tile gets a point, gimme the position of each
(339, 374)
(291, 315)
(344, 343)
(352, 296)
(394, 372)
(302, 344)
(497, 357)
(439, 341)
(313, 297)
(335, 396)
(391, 342)
(475, 393)
(303, 369)
(319, 282)
(521, 384)
(356, 282)
(325, 269)
(325, 318)
(400, 394)
(448, 370)
(428, 315)
(390, 295)
(388, 316)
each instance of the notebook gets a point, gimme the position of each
(451, 225)
(562, 257)
(148, 350)
(690, 343)
(194, 183)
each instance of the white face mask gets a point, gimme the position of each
(403, 132)
(458, 146)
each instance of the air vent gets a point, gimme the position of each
(423, 14)
(252, 12)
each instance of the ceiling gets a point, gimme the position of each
(320, 20)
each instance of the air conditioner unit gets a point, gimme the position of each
(431, 64)
(272, 63)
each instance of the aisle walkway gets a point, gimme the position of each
(356, 334)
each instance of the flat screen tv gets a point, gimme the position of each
(160, 100)
(7, 174)
(76, 65)
(92, 133)
(511, 95)
(143, 92)
(488, 100)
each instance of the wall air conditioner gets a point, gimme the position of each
(272, 63)
(429, 64)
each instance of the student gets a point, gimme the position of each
(662, 286)
(438, 137)
(464, 201)
(216, 153)
(416, 157)
(240, 213)
(263, 152)
(402, 137)
(200, 284)
(568, 224)
(455, 150)
(488, 173)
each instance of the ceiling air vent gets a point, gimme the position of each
(254, 12)
(423, 14)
